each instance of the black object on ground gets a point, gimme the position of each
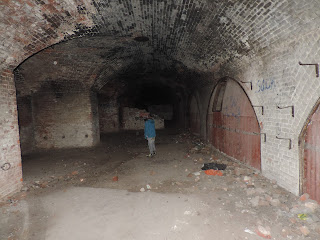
(214, 166)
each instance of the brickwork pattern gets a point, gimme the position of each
(259, 41)
(10, 175)
(26, 128)
(197, 33)
(64, 121)
(278, 80)
(109, 117)
(133, 119)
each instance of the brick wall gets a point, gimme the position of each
(67, 120)
(133, 119)
(25, 124)
(253, 41)
(163, 111)
(194, 116)
(10, 179)
(109, 116)
(278, 80)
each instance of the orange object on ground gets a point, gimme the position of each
(115, 179)
(213, 172)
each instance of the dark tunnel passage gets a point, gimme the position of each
(233, 82)
(71, 93)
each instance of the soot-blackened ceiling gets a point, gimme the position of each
(100, 36)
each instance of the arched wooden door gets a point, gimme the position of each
(311, 156)
(194, 116)
(234, 127)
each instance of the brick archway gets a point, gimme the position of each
(309, 141)
(233, 127)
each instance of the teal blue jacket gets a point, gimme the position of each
(149, 129)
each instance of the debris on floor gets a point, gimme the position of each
(263, 232)
(255, 205)
(214, 166)
(213, 172)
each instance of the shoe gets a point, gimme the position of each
(149, 155)
(154, 153)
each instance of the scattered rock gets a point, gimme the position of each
(312, 205)
(239, 205)
(255, 201)
(239, 171)
(285, 208)
(263, 202)
(304, 230)
(251, 191)
(247, 179)
(268, 197)
(260, 190)
(75, 173)
(187, 213)
(263, 232)
(301, 209)
(190, 175)
(142, 190)
(293, 220)
(314, 218)
(25, 189)
(152, 173)
(285, 233)
(196, 173)
(44, 184)
(197, 179)
(304, 197)
(275, 202)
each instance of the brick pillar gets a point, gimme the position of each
(10, 156)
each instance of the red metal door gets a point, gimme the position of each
(312, 157)
(235, 129)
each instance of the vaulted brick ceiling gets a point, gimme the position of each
(93, 41)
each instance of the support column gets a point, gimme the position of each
(10, 155)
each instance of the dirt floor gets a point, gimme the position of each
(113, 191)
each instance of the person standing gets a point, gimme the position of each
(150, 135)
